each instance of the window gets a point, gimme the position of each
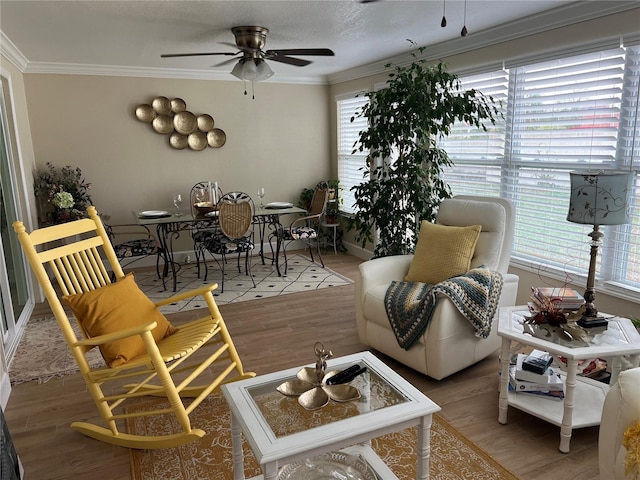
(573, 113)
(350, 164)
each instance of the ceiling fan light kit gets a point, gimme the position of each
(252, 69)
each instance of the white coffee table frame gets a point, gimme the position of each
(273, 452)
(586, 395)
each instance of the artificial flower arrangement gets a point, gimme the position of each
(64, 194)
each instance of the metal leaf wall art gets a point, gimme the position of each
(185, 129)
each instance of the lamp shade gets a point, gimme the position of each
(600, 198)
(252, 69)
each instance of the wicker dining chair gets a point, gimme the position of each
(304, 229)
(235, 235)
(203, 230)
(144, 354)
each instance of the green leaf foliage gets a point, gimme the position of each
(403, 171)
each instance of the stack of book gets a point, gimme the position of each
(522, 380)
(561, 298)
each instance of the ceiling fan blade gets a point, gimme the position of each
(298, 62)
(169, 55)
(226, 62)
(326, 52)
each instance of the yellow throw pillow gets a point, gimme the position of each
(116, 307)
(442, 252)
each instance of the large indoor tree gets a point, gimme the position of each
(403, 182)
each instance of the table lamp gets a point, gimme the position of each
(598, 198)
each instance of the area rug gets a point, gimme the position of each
(453, 456)
(302, 275)
(43, 354)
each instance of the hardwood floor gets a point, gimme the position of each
(276, 333)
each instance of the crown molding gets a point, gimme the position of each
(11, 53)
(185, 74)
(563, 16)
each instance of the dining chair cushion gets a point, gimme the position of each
(135, 248)
(300, 233)
(221, 245)
(116, 307)
(442, 252)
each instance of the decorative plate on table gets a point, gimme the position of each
(279, 205)
(212, 214)
(154, 214)
(330, 466)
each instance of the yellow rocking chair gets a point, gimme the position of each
(135, 339)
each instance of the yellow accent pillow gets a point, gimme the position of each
(442, 252)
(116, 307)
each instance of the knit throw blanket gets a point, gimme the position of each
(410, 305)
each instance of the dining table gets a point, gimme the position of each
(169, 226)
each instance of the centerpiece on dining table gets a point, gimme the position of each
(206, 198)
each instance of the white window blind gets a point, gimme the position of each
(561, 115)
(478, 155)
(349, 163)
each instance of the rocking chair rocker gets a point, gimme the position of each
(136, 340)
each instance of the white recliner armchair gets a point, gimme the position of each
(620, 411)
(448, 344)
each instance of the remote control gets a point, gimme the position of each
(353, 375)
(339, 377)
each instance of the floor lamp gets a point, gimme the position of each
(598, 198)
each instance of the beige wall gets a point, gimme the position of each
(280, 140)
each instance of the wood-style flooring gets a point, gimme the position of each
(276, 333)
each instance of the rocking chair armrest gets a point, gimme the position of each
(110, 337)
(188, 294)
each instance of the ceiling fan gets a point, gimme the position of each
(250, 40)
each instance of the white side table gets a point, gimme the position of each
(334, 226)
(582, 405)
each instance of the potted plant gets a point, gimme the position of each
(334, 189)
(331, 215)
(62, 193)
(306, 195)
(334, 201)
(403, 172)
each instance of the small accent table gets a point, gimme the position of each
(334, 235)
(582, 405)
(280, 431)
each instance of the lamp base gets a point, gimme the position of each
(591, 322)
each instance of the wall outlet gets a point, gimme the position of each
(187, 259)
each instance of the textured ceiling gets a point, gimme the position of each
(77, 35)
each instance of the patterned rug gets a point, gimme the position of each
(42, 353)
(302, 275)
(453, 456)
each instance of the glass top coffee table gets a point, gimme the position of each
(584, 397)
(281, 432)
